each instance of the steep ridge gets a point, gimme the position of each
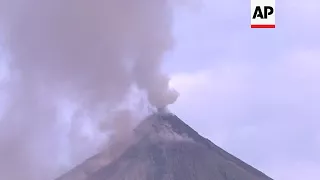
(165, 148)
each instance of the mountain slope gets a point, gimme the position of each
(165, 148)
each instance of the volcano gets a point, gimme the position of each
(163, 147)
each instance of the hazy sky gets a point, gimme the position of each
(255, 92)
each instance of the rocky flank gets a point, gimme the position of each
(165, 148)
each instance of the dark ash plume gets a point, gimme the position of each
(87, 53)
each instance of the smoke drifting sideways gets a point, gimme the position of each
(89, 55)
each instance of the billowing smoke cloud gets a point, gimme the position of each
(87, 53)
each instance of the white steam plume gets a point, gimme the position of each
(90, 52)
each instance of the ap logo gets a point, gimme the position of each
(263, 14)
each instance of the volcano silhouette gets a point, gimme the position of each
(165, 148)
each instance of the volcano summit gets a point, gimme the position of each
(165, 148)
